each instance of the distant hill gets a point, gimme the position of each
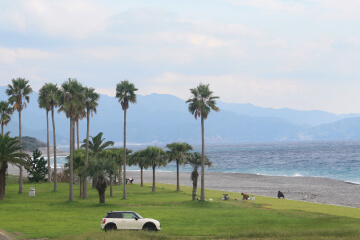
(163, 118)
(30, 144)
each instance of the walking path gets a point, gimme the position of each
(4, 237)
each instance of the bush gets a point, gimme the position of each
(38, 169)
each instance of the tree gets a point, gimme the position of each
(78, 166)
(139, 159)
(178, 152)
(44, 103)
(101, 169)
(156, 157)
(52, 93)
(125, 92)
(96, 145)
(10, 153)
(5, 114)
(200, 105)
(18, 91)
(91, 98)
(37, 169)
(195, 160)
(70, 98)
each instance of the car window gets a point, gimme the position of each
(114, 215)
(129, 215)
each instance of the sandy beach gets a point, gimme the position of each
(310, 189)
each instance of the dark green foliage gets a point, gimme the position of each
(30, 144)
(38, 169)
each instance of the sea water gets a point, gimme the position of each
(331, 159)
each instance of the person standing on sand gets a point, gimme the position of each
(245, 196)
(280, 195)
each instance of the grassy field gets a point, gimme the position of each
(51, 215)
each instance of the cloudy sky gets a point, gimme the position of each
(302, 54)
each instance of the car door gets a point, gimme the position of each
(129, 221)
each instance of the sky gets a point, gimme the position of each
(301, 54)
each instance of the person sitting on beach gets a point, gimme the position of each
(281, 195)
(245, 196)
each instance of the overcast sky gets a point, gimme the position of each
(302, 54)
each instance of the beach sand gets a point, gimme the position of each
(310, 189)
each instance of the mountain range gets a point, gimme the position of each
(163, 118)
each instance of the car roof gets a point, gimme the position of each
(121, 212)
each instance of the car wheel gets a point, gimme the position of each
(110, 227)
(149, 227)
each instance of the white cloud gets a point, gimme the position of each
(8, 55)
(66, 18)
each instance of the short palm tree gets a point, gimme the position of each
(70, 98)
(195, 160)
(155, 157)
(5, 114)
(125, 92)
(44, 103)
(178, 153)
(91, 99)
(10, 153)
(139, 159)
(200, 105)
(18, 91)
(101, 169)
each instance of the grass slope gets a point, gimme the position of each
(51, 215)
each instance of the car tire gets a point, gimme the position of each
(110, 227)
(149, 227)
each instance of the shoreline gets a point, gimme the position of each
(300, 188)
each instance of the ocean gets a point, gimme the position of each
(331, 159)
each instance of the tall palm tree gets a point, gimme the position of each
(91, 98)
(52, 99)
(70, 98)
(156, 157)
(178, 153)
(10, 153)
(195, 160)
(200, 105)
(5, 114)
(44, 103)
(125, 92)
(18, 91)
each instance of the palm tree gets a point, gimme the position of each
(156, 157)
(16, 92)
(44, 103)
(91, 98)
(5, 114)
(101, 169)
(78, 166)
(195, 160)
(10, 153)
(96, 145)
(178, 152)
(52, 99)
(139, 158)
(125, 92)
(200, 105)
(70, 98)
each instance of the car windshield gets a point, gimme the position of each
(139, 215)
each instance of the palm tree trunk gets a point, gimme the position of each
(124, 156)
(87, 150)
(177, 175)
(21, 169)
(81, 187)
(54, 135)
(111, 187)
(3, 168)
(2, 129)
(71, 195)
(196, 175)
(153, 186)
(77, 133)
(48, 146)
(202, 197)
(142, 177)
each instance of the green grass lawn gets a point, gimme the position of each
(51, 215)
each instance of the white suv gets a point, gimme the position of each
(128, 220)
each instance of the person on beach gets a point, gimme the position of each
(245, 196)
(280, 195)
